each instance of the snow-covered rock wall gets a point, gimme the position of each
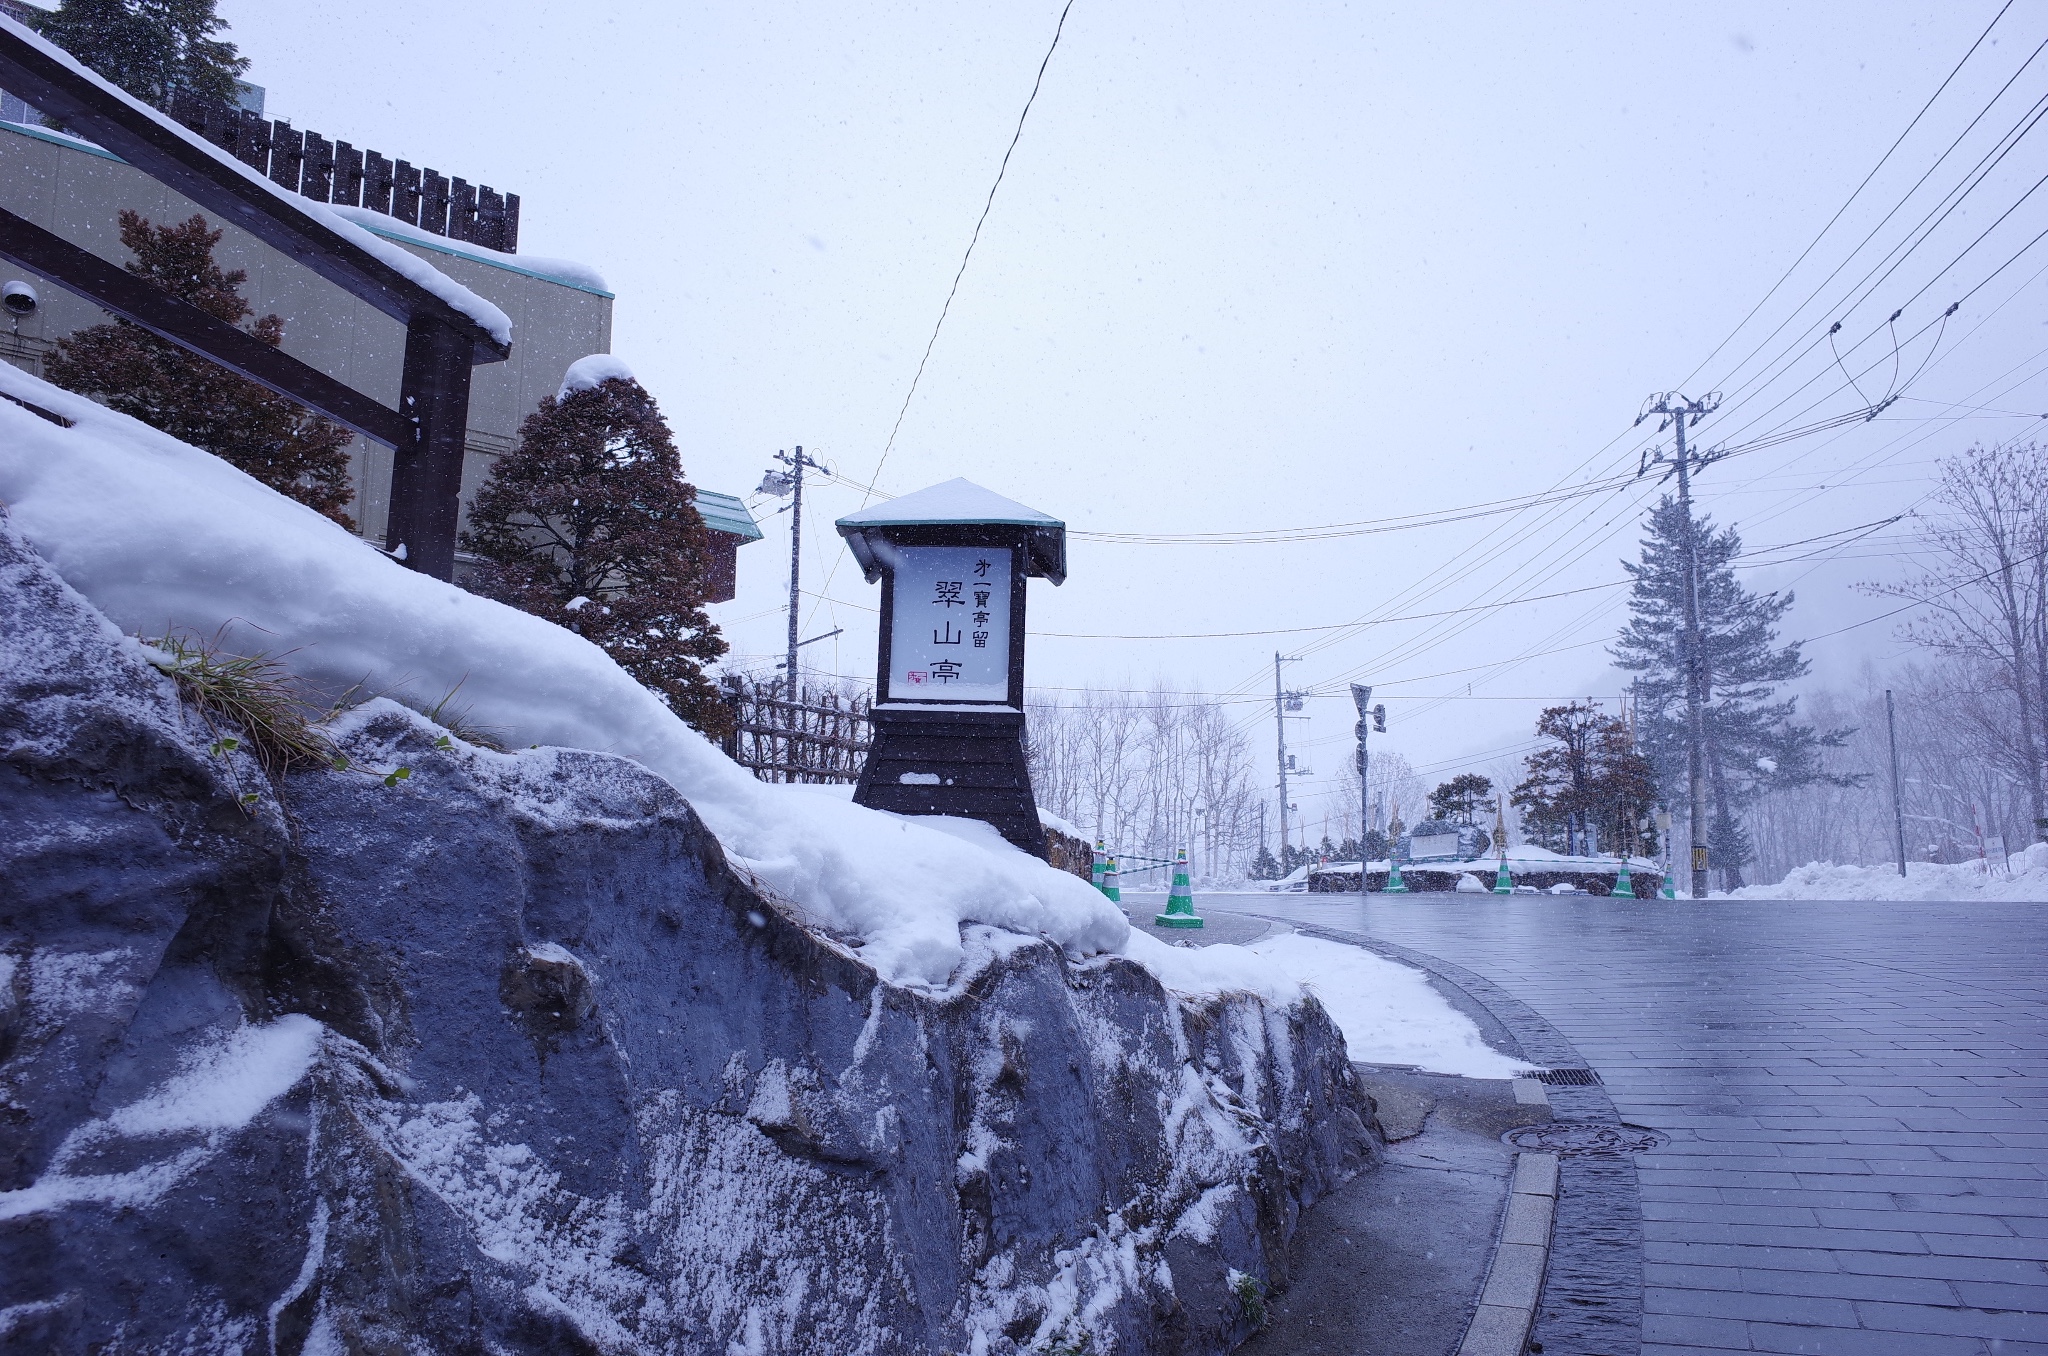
(507, 1056)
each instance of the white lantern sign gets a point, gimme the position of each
(949, 636)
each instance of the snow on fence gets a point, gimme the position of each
(821, 737)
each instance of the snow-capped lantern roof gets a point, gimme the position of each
(957, 503)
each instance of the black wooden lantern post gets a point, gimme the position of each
(949, 697)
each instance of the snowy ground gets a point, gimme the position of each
(1388, 1012)
(2023, 876)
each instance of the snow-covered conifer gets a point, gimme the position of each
(1753, 742)
(1589, 777)
(1463, 798)
(275, 439)
(589, 523)
(148, 47)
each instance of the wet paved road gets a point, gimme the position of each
(1856, 1094)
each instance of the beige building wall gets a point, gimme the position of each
(78, 191)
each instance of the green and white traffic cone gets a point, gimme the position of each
(1395, 885)
(1180, 901)
(1109, 885)
(1624, 883)
(1095, 866)
(1503, 883)
(1670, 891)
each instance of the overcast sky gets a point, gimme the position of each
(1257, 269)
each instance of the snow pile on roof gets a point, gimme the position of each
(958, 500)
(415, 269)
(559, 270)
(589, 373)
(2024, 877)
(492, 320)
(160, 536)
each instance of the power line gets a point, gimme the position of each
(1881, 161)
(972, 240)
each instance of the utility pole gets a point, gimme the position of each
(1678, 412)
(791, 482)
(1361, 693)
(1283, 702)
(1891, 727)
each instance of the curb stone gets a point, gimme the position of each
(1521, 1255)
(1590, 1302)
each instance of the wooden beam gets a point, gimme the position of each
(174, 157)
(129, 297)
(426, 476)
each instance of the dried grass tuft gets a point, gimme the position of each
(246, 697)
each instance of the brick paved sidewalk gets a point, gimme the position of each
(1857, 1097)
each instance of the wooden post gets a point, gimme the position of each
(426, 479)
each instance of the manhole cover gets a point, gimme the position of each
(1584, 1137)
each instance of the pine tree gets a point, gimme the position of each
(1590, 783)
(148, 47)
(1753, 743)
(1463, 798)
(1264, 866)
(275, 439)
(589, 523)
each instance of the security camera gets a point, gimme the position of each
(20, 299)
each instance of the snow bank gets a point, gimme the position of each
(494, 321)
(2025, 877)
(588, 373)
(1388, 1012)
(162, 537)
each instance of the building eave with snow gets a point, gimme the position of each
(560, 310)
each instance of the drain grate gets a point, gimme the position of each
(1584, 1137)
(1568, 1078)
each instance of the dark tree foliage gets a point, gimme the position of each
(1589, 777)
(1753, 744)
(1463, 798)
(589, 523)
(1264, 866)
(148, 47)
(277, 440)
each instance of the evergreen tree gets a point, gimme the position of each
(1264, 866)
(1463, 798)
(589, 523)
(148, 47)
(1753, 744)
(1589, 784)
(275, 439)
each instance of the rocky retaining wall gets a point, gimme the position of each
(504, 1055)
